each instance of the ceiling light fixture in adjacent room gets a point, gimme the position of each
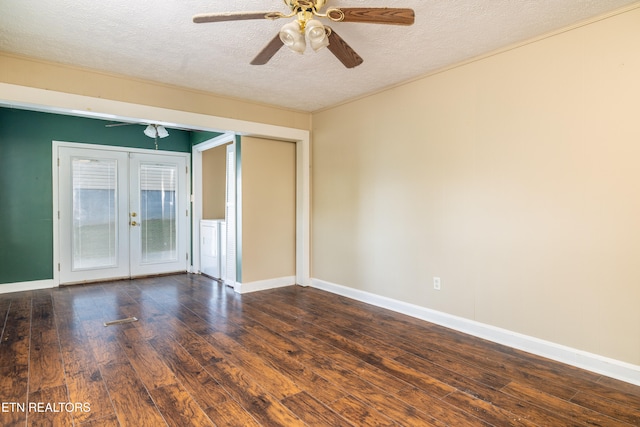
(155, 132)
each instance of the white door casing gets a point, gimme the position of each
(230, 243)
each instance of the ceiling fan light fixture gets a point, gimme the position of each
(151, 131)
(156, 131)
(162, 132)
(295, 34)
(316, 34)
(292, 37)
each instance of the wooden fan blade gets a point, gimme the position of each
(269, 50)
(374, 15)
(113, 125)
(220, 17)
(343, 51)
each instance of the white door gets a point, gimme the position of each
(120, 214)
(158, 214)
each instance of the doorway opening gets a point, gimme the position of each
(214, 217)
(52, 101)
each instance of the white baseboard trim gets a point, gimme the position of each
(262, 285)
(6, 288)
(602, 365)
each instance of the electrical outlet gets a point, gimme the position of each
(436, 283)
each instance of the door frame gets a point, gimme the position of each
(303, 198)
(56, 181)
(196, 188)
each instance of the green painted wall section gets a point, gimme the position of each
(196, 137)
(26, 193)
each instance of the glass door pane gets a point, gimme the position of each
(95, 213)
(158, 206)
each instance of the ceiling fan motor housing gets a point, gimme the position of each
(305, 4)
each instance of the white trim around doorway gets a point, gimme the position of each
(196, 190)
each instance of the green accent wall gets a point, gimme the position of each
(197, 137)
(26, 188)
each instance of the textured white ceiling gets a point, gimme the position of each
(156, 40)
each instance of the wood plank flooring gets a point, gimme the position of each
(201, 355)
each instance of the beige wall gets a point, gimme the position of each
(514, 178)
(214, 182)
(29, 72)
(268, 209)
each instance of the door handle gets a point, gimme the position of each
(133, 223)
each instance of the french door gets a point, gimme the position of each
(121, 214)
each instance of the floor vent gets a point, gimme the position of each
(121, 321)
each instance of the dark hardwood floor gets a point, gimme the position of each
(202, 355)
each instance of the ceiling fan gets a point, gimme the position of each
(152, 130)
(305, 27)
